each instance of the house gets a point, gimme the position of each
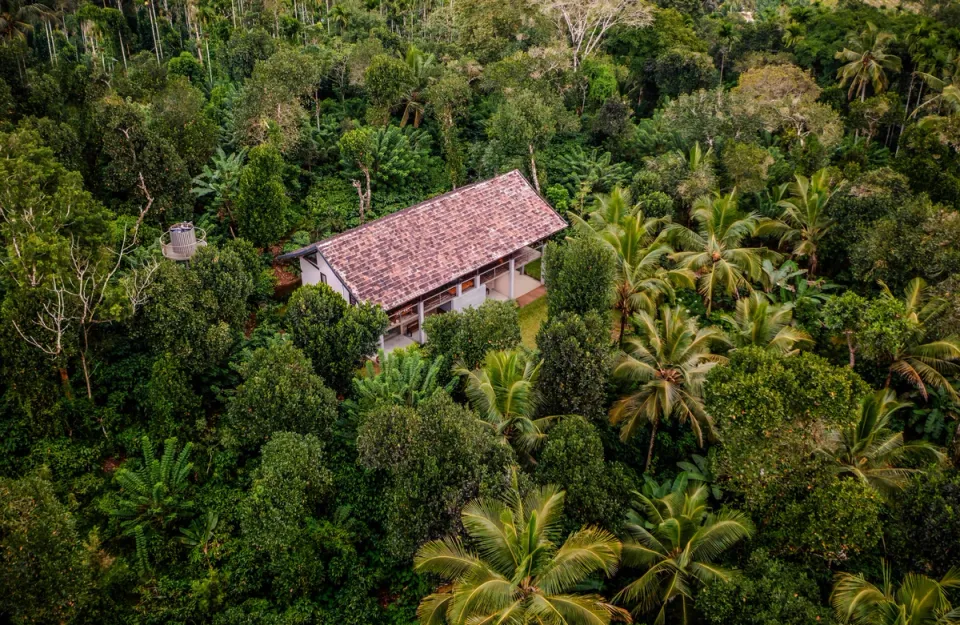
(447, 253)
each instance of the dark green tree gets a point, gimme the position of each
(279, 393)
(577, 360)
(580, 276)
(334, 335)
(261, 197)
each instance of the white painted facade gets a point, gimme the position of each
(321, 273)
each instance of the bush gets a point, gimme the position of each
(924, 531)
(45, 578)
(334, 335)
(577, 360)
(435, 459)
(580, 276)
(772, 412)
(279, 392)
(290, 483)
(572, 458)
(465, 337)
(262, 198)
(768, 592)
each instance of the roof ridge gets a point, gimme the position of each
(315, 246)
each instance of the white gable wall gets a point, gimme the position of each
(312, 275)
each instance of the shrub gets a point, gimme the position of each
(279, 392)
(580, 276)
(334, 335)
(577, 359)
(465, 337)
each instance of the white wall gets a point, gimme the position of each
(311, 275)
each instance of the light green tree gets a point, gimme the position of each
(502, 392)
(804, 221)
(919, 600)
(526, 122)
(761, 323)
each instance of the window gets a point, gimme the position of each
(323, 278)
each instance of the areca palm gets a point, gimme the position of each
(870, 451)
(919, 361)
(761, 323)
(866, 62)
(715, 252)
(519, 573)
(804, 220)
(667, 362)
(676, 538)
(920, 600)
(501, 391)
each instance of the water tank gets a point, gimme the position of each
(181, 241)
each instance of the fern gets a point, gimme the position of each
(153, 495)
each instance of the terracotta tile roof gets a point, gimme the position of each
(397, 258)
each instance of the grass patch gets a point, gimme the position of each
(531, 316)
(532, 269)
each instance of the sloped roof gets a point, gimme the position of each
(397, 258)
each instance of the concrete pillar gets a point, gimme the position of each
(459, 289)
(420, 314)
(513, 275)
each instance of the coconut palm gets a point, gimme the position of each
(920, 600)
(422, 65)
(866, 62)
(920, 361)
(761, 323)
(715, 252)
(501, 391)
(870, 451)
(666, 362)
(642, 280)
(641, 285)
(519, 573)
(675, 539)
(804, 221)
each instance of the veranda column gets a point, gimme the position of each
(420, 314)
(512, 275)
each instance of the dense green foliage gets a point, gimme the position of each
(741, 406)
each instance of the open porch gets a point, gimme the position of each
(502, 280)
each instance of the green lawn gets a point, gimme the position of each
(531, 316)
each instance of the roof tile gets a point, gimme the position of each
(394, 259)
